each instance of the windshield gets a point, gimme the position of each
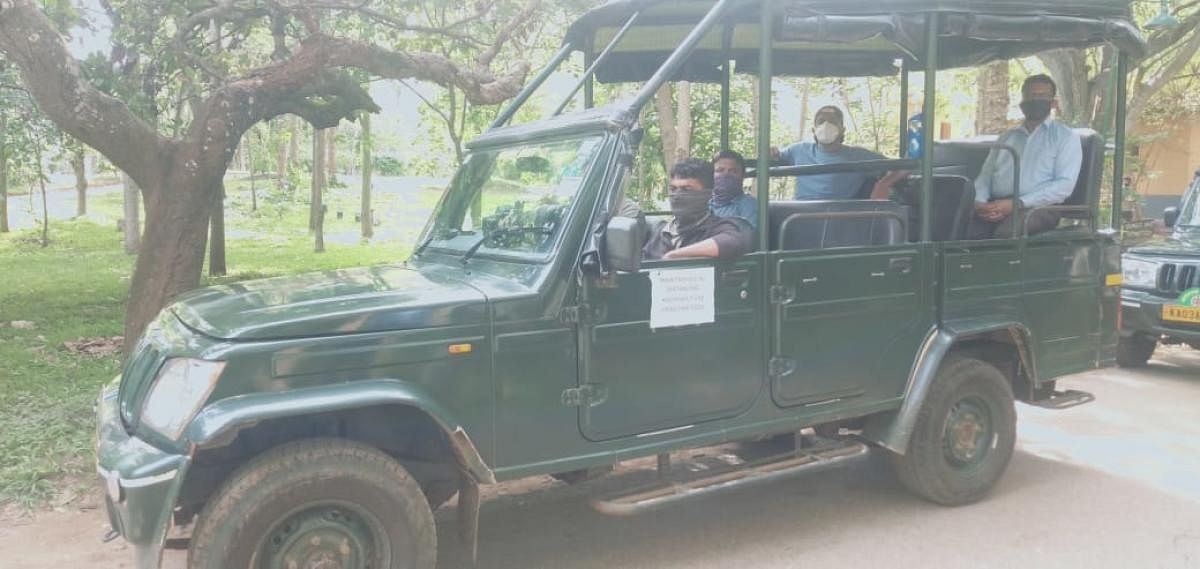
(1189, 214)
(511, 200)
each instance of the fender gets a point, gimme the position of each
(893, 430)
(227, 416)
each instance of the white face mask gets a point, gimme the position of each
(827, 133)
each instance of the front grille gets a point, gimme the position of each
(1174, 278)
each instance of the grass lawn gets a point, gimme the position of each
(76, 288)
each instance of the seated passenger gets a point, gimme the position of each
(729, 198)
(694, 231)
(829, 133)
(1051, 155)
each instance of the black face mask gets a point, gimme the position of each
(1036, 110)
(726, 187)
(689, 207)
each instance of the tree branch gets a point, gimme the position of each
(53, 78)
(484, 60)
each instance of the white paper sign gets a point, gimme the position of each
(682, 297)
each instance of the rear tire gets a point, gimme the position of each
(964, 434)
(321, 502)
(1135, 350)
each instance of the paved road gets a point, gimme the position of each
(1113, 484)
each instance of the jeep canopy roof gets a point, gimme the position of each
(850, 37)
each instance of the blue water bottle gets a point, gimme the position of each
(916, 127)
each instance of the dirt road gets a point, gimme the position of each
(1113, 484)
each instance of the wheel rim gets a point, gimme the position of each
(325, 536)
(968, 434)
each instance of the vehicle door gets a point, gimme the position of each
(1062, 289)
(651, 379)
(846, 320)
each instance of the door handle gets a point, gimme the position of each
(736, 278)
(902, 264)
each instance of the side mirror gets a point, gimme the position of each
(1170, 216)
(623, 243)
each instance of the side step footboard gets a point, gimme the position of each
(1064, 400)
(687, 483)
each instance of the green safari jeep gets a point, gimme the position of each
(1160, 301)
(316, 421)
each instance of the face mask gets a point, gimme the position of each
(689, 206)
(726, 187)
(827, 133)
(1036, 110)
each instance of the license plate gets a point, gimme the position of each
(1177, 313)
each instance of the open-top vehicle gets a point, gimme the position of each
(317, 420)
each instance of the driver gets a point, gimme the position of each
(694, 231)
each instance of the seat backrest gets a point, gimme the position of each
(1091, 173)
(791, 232)
(953, 206)
(958, 161)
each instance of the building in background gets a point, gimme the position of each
(1169, 159)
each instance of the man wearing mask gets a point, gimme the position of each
(694, 231)
(1051, 155)
(829, 135)
(729, 199)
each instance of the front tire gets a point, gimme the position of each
(964, 434)
(317, 503)
(1135, 350)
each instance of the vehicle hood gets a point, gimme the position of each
(350, 301)
(1182, 243)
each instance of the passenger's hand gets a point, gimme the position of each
(1002, 209)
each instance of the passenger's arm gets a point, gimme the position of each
(1066, 172)
(983, 182)
(883, 187)
(700, 250)
(731, 239)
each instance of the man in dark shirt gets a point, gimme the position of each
(694, 231)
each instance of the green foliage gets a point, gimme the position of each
(388, 166)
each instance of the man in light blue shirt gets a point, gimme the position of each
(829, 134)
(729, 198)
(1051, 155)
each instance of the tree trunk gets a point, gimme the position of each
(132, 215)
(368, 229)
(41, 176)
(3, 173)
(253, 186)
(665, 105)
(177, 225)
(81, 184)
(317, 208)
(331, 155)
(216, 247)
(992, 99)
(293, 154)
(683, 113)
(281, 158)
(805, 92)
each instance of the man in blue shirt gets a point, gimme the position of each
(1051, 155)
(829, 134)
(729, 198)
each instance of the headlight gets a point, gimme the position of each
(1141, 274)
(182, 386)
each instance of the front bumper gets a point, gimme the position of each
(141, 482)
(1141, 313)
